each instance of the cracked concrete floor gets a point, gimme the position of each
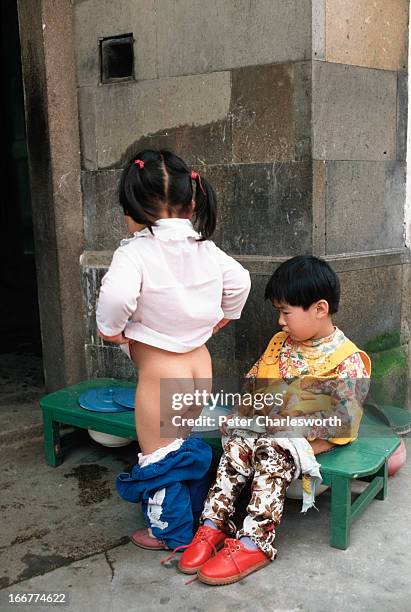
(65, 529)
(54, 516)
(21, 386)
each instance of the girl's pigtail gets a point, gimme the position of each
(141, 186)
(205, 206)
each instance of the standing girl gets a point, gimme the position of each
(168, 289)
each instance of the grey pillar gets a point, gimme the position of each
(46, 33)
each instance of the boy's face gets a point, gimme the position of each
(303, 324)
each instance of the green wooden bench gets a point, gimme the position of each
(365, 459)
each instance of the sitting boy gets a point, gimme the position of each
(315, 358)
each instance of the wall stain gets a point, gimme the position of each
(198, 145)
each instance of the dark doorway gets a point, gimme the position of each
(19, 320)
(20, 346)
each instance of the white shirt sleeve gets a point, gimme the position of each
(236, 285)
(120, 289)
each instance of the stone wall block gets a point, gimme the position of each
(264, 209)
(108, 361)
(96, 19)
(198, 37)
(371, 33)
(302, 110)
(365, 205)
(263, 114)
(370, 303)
(192, 37)
(104, 224)
(354, 113)
(91, 278)
(128, 112)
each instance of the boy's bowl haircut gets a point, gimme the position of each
(302, 281)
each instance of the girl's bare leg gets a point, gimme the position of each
(180, 373)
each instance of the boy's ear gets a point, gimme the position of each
(322, 308)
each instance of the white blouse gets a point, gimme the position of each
(168, 289)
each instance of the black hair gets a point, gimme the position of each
(303, 280)
(163, 181)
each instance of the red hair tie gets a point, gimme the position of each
(139, 163)
(194, 176)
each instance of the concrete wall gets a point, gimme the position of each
(228, 86)
(297, 112)
(295, 109)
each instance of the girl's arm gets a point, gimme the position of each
(236, 285)
(117, 302)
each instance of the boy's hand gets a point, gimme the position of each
(118, 339)
(224, 426)
(321, 446)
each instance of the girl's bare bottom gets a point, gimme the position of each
(161, 376)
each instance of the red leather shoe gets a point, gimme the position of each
(203, 546)
(231, 564)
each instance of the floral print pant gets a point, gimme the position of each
(271, 469)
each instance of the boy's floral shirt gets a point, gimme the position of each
(348, 389)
